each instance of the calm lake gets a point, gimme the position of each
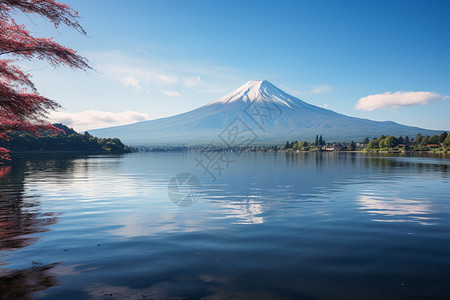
(263, 226)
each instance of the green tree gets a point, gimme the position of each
(391, 141)
(446, 142)
(366, 141)
(442, 137)
(425, 141)
(419, 139)
(304, 144)
(373, 144)
(434, 139)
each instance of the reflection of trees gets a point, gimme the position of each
(426, 162)
(4, 170)
(60, 168)
(389, 162)
(20, 217)
(19, 284)
(20, 221)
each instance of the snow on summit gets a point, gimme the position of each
(258, 91)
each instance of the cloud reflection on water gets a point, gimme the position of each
(393, 209)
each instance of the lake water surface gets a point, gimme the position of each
(267, 226)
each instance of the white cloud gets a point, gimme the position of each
(91, 119)
(325, 105)
(166, 78)
(396, 209)
(172, 93)
(139, 78)
(131, 81)
(193, 81)
(134, 73)
(394, 100)
(321, 89)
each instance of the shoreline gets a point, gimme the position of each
(299, 151)
(63, 152)
(227, 150)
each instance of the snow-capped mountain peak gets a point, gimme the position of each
(234, 115)
(258, 91)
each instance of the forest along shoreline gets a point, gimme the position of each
(66, 141)
(384, 144)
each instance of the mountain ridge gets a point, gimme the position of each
(267, 113)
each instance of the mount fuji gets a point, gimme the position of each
(258, 112)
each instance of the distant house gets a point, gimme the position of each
(433, 145)
(337, 147)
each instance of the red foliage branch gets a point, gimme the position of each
(21, 107)
(55, 12)
(17, 41)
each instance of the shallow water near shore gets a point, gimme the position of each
(262, 226)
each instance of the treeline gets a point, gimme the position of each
(318, 144)
(68, 140)
(383, 143)
(158, 148)
(252, 148)
(420, 143)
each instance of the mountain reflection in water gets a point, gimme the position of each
(274, 225)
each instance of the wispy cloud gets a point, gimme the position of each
(91, 119)
(131, 72)
(193, 81)
(151, 75)
(131, 81)
(395, 100)
(172, 93)
(321, 89)
(138, 77)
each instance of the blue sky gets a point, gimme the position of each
(159, 58)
